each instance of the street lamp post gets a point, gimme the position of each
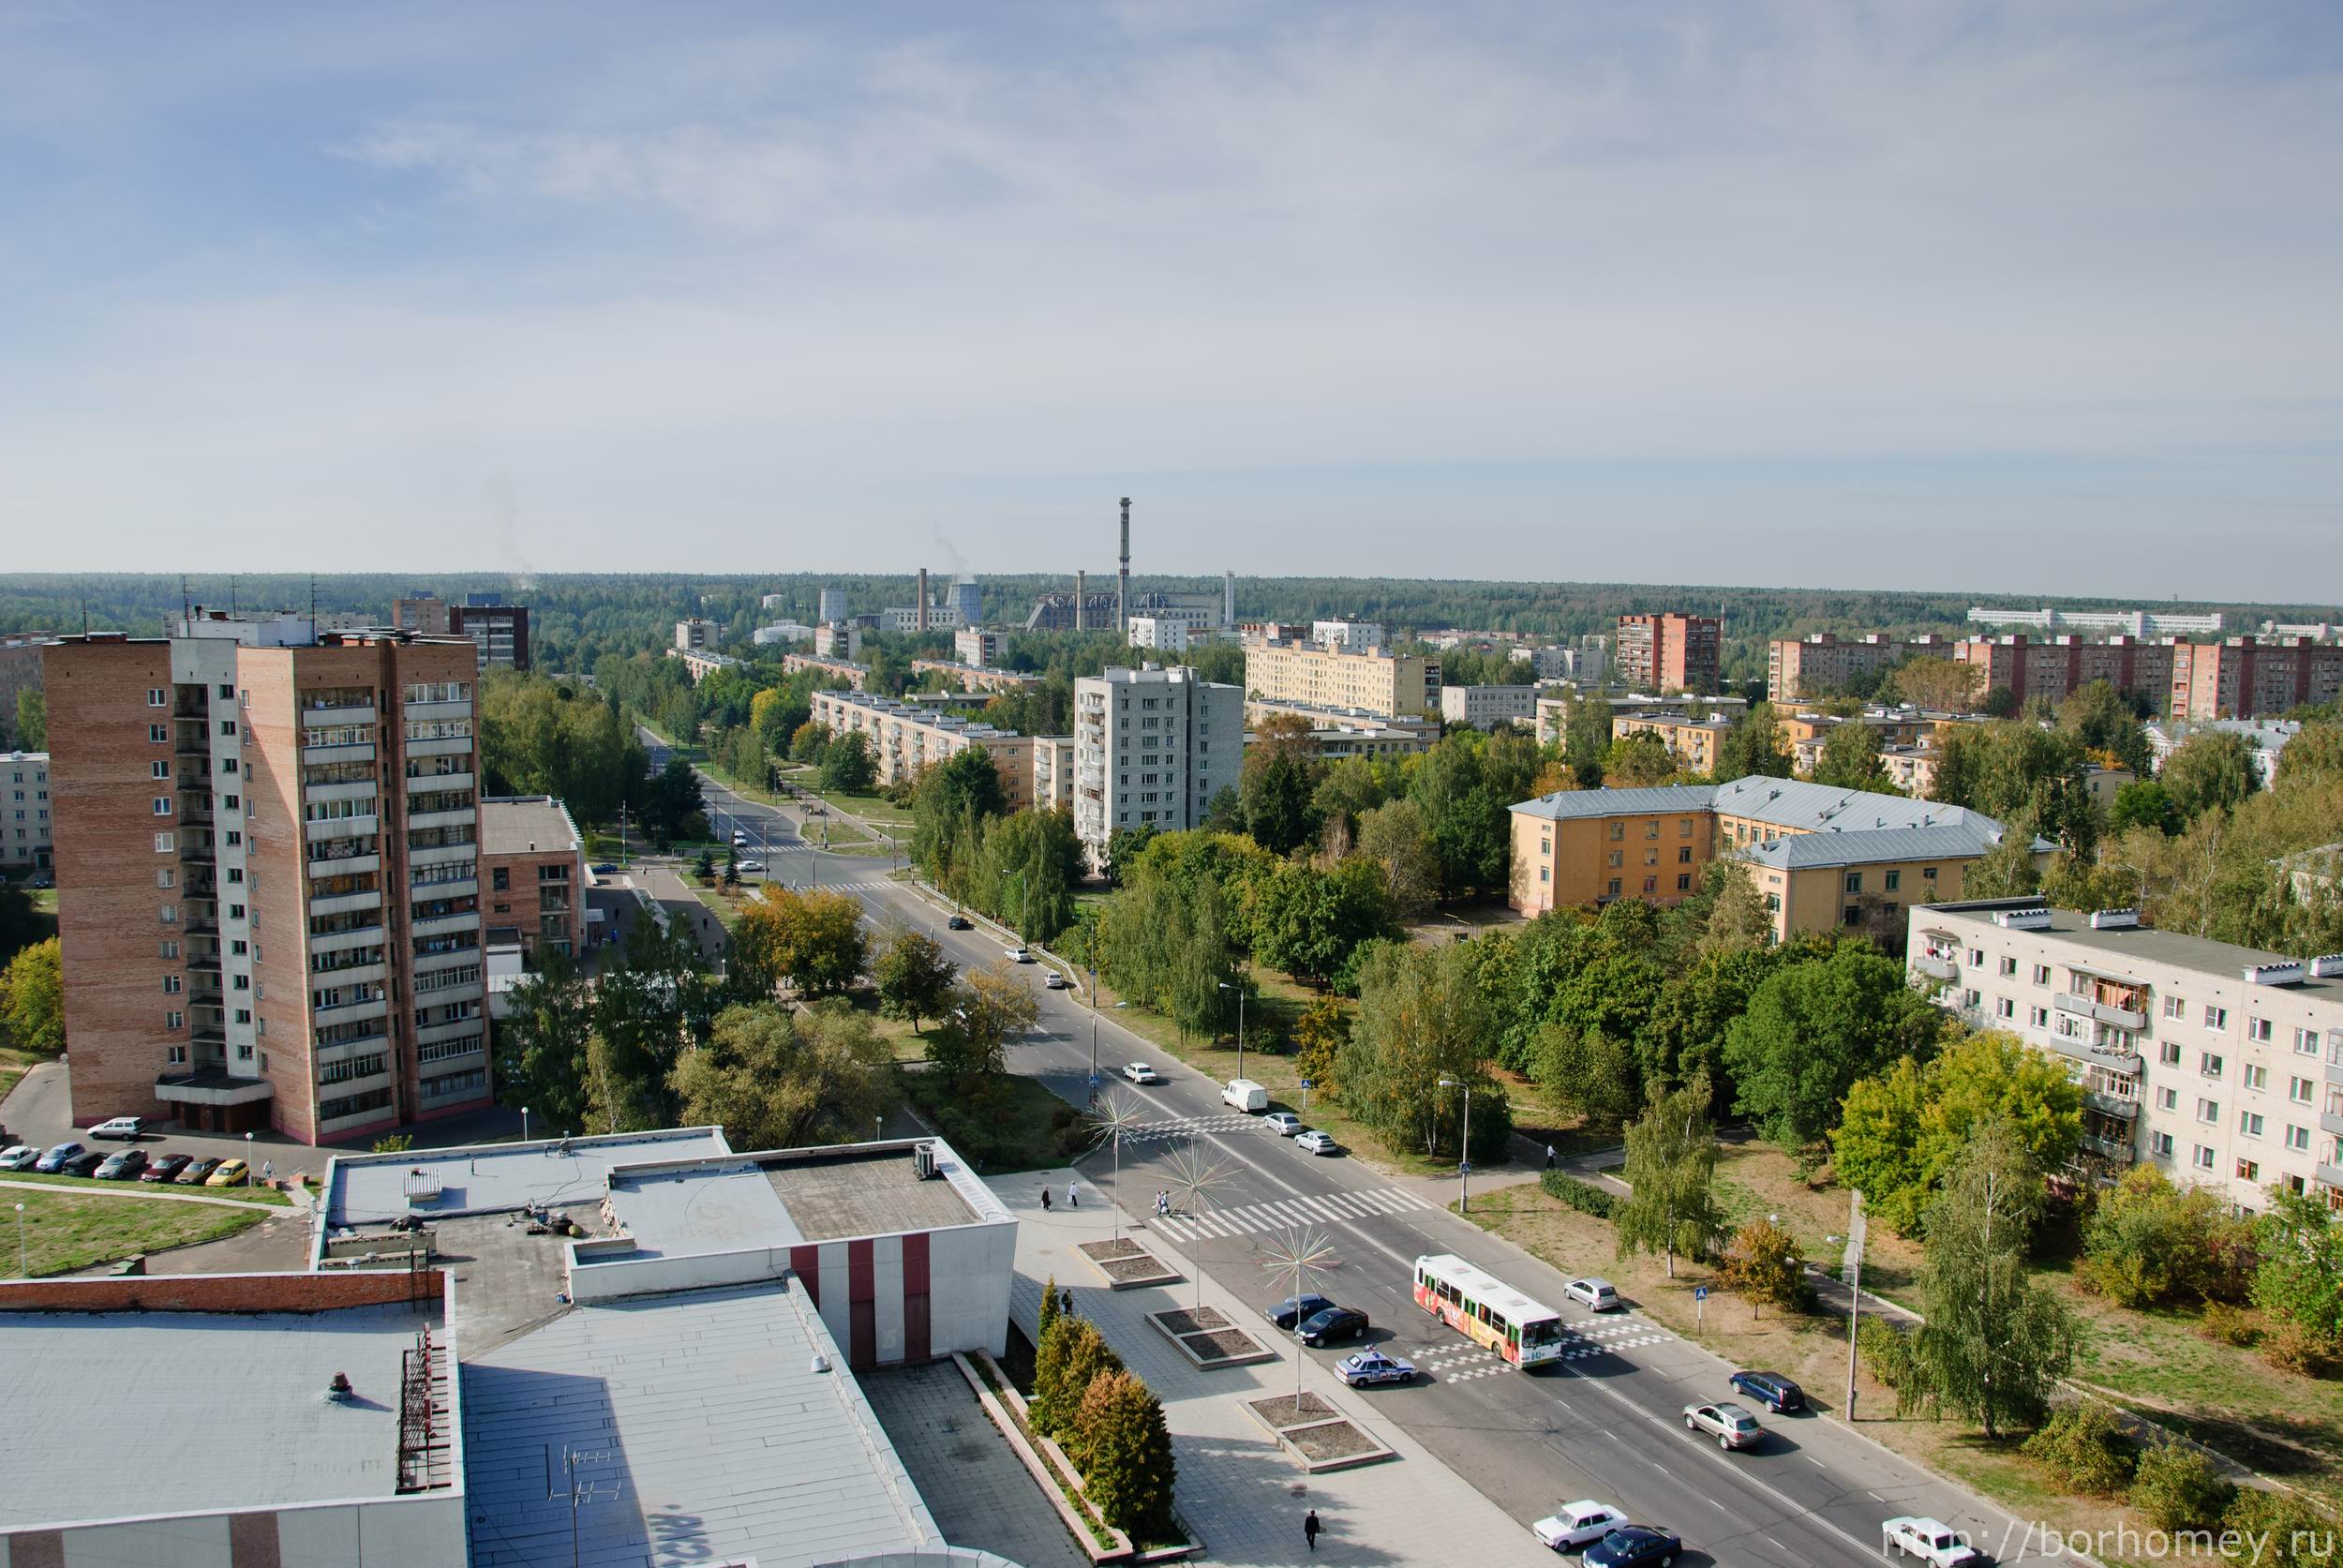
(524, 1124)
(23, 1267)
(1240, 1025)
(1464, 1162)
(248, 1160)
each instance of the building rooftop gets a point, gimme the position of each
(524, 825)
(363, 1189)
(1815, 808)
(1570, 804)
(705, 1435)
(241, 1396)
(1800, 851)
(2202, 954)
(737, 1202)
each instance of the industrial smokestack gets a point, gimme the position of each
(1228, 600)
(923, 598)
(1123, 577)
(1082, 600)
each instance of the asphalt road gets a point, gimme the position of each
(1606, 1423)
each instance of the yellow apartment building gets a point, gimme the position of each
(1692, 742)
(1392, 686)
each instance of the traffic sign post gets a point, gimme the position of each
(1305, 1099)
(1700, 1306)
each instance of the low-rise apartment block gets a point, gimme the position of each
(1389, 685)
(2058, 667)
(1818, 664)
(1486, 707)
(904, 739)
(1692, 742)
(700, 663)
(2245, 678)
(2222, 1065)
(1821, 857)
(1670, 652)
(533, 860)
(25, 833)
(272, 838)
(977, 647)
(853, 673)
(973, 677)
(1159, 634)
(1152, 747)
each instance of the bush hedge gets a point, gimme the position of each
(1584, 1197)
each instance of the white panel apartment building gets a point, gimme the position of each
(2222, 1065)
(24, 810)
(1484, 706)
(1152, 746)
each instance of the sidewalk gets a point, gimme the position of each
(1237, 1489)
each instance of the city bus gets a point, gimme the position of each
(1484, 1308)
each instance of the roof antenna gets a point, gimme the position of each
(232, 596)
(184, 610)
(313, 606)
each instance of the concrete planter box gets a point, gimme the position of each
(1209, 1343)
(1125, 1265)
(1319, 1437)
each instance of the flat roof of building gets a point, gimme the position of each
(524, 825)
(1800, 851)
(706, 1433)
(2200, 954)
(776, 1199)
(481, 1178)
(240, 1395)
(866, 1190)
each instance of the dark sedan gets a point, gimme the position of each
(1294, 1309)
(58, 1158)
(1633, 1546)
(196, 1173)
(164, 1167)
(85, 1163)
(122, 1167)
(1333, 1324)
(1770, 1389)
(957, 923)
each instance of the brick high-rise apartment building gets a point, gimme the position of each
(266, 850)
(1824, 662)
(2245, 679)
(1669, 652)
(2057, 667)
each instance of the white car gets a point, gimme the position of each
(128, 1128)
(1578, 1524)
(1053, 981)
(1317, 1143)
(739, 839)
(18, 1157)
(1596, 1295)
(1285, 1124)
(1017, 955)
(1140, 1073)
(1932, 1541)
(744, 867)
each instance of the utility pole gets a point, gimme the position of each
(1463, 1161)
(1856, 1224)
(1240, 1025)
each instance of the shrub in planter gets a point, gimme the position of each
(2177, 1489)
(2085, 1451)
(1063, 1364)
(1584, 1197)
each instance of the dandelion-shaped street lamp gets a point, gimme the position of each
(1197, 1180)
(1109, 1116)
(1298, 1252)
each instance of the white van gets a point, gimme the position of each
(1245, 1095)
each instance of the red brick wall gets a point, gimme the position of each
(100, 788)
(222, 1293)
(279, 869)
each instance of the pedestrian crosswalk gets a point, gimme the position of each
(1281, 1214)
(1187, 1126)
(1460, 1360)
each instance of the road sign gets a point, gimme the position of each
(1307, 1084)
(1093, 1080)
(1700, 1293)
(1464, 1168)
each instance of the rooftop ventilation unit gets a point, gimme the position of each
(2022, 919)
(2327, 966)
(2114, 919)
(923, 1160)
(2291, 972)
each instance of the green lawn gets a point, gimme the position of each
(241, 1194)
(64, 1231)
(1009, 1124)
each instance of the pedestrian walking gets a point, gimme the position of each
(1045, 1200)
(1072, 1200)
(1549, 1156)
(1310, 1528)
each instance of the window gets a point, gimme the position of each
(228, 726)
(1895, 880)
(1683, 826)
(2305, 1042)
(166, 878)
(2249, 1172)
(166, 844)
(1546, 873)
(2208, 1109)
(2160, 1144)
(170, 948)
(2168, 1099)
(2257, 1029)
(168, 913)
(2215, 1018)
(174, 1021)
(157, 697)
(172, 985)
(2298, 1090)
(227, 691)
(2038, 1017)
(2005, 1008)
(1971, 998)
(158, 769)
(2202, 1158)
(1684, 883)
(2176, 1006)
(2168, 1052)
(2297, 1138)
(2257, 1077)
(2249, 1123)
(2009, 967)
(1618, 858)
(2209, 1063)
(1684, 856)
(227, 765)
(158, 734)
(1929, 875)
(1855, 882)
(1614, 887)
(1545, 846)
(1651, 830)
(1977, 958)
(1619, 832)
(1651, 883)
(2041, 974)
(1852, 915)
(176, 1055)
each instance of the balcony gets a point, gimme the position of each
(197, 853)
(357, 1045)
(2330, 1175)
(469, 1091)
(341, 941)
(438, 709)
(2083, 1006)
(463, 816)
(350, 713)
(456, 1029)
(2335, 1071)
(2331, 1121)
(346, 865)
(352, 789)
(2109, 1148)
(449, 745)
(357, 973)
(442, 854)
(342, 828)
(2091, 1055)
(343, 904)
(464, 887)
(2110, 1105)
(424, 783)
(203, 963)
(444, 925)
(1935, 968)
(318, 755)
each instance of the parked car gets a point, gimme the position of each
(130, 1129)
(42, 879)
(84, 1164)
(1140, 1073)
(1370, 1367)
(606, 869)
(959, 922)
(1772, 1390)
(54, 1160)
(744, 867)
(1631, 1546)
(165, 1167)
(1333, 1323)
(1245, 1095)
(121, 1166)
(18, 1157)
(1017, 955)
(1931, 1540)
(1595, 1295)
(1053, 981)
(1578, 1524)
(198, 1171)
(1731, 1426)
(230, 1172)
(1285, 1124)
(1316, 1142)
(1294, 1309)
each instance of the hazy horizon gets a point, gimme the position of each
(2041, 301)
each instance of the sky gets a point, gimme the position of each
(2018, 298)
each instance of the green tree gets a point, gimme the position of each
(1467, 813)
(1278, 790)
(1072, 1357)
(32, 720)
(2176, 1487)
(2085, 1451)
(1762, 1265)
(1422, 1018)
(1393, 835)
(1127, 1464)
(32, 999)
(2005, 871)
(1814, 1027)
(674, 809)
(914, 978)
(2212, 769)
(392, 1144)
(774, 1081)
(848, 764)
(823, 947)
(1634, 761)
(1586, 1071)
(2149, 1243)
(1995, 1342)
(1752, 744)
(1671, 1166)
(1587, 736)
(2144, 804)
(809, 743)
(540, 1043)
(1850, 759)
(1319, 1034)
(1311, 923)
(1875, 1148)
(988, 1006)
(2300, 1278)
